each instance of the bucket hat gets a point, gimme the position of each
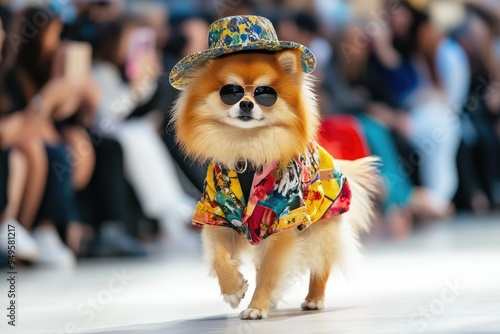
(234, 34)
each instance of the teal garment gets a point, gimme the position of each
(381, 143)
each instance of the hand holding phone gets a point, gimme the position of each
(141, 51)
(77, 62)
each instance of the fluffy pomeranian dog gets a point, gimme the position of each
(254, 116)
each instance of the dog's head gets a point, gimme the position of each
(252, 106)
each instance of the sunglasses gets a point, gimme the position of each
(264, 95)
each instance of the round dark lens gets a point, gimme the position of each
(231, 94)
(265, 96)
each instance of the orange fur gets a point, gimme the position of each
(199, 113)
(206, 132)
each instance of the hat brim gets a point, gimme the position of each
(178, 74)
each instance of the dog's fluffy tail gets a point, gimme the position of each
(366, 186)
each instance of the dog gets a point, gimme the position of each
(271, 190)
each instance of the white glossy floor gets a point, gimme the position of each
(443, 280)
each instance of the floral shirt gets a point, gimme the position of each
(309, 188)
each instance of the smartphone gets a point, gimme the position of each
(141, 43)
(77, 61)
(367, 9)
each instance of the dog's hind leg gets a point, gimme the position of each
(317, 285)
(328, 243)
(222, 249)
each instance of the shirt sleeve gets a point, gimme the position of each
(336, 191)
(207, 211)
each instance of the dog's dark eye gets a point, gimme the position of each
(231, 94)
(265, 96)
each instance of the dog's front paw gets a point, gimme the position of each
(253, 314)
(310, 305)
(234, 299)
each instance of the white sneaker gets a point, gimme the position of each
(25, 246)
(52, 251)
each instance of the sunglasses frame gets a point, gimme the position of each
(245, 93)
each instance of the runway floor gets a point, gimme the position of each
(444, 279)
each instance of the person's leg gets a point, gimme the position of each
(57, 210)
(36, 157)
(436, 134)
(18, 174)
(469, 195)
(4, 177)
(110, 186)
(82, 154)
(26, 247)
(107, 205)
(486, 154)
(152, 174)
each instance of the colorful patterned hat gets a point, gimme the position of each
(238, 33)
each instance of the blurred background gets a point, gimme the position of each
(89, 167)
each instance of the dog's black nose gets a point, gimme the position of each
(246, 106)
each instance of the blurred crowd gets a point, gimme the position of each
(89, 166)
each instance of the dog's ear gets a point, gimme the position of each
(289, 60)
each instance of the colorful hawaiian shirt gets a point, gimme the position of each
(307, 189)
